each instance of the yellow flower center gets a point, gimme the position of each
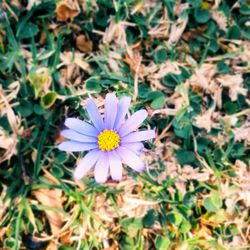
(108, 140)
(205, 5)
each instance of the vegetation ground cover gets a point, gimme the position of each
(186, 63)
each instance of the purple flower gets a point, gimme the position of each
(111, 141)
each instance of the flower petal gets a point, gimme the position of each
(81, 127)
(73, 135)
(86, 163)
(115, 165)
(102, 168)
(74, 146)
(110, 110)
(133, 122)
(138, 136)
(136, 147)
(94, 114)
(122, 110)
(130, 158)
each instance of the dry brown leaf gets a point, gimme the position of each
(177, 30)
(202, 76)
(220, 18)
(52, 199)
(68, 58)
(52, 246)
(31, 3)
(8, 143)
(67, 9)
(242, 133)
(166, 68)
(245, 53)
(129, 204)
(234, 83)
(181, 174)
(3, 204)
(83, 44)
(206, 120)
(134, 62)
(116, 33)
(193, 33)
(6, 96)
(161, 30)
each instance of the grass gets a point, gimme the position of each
(186, 63)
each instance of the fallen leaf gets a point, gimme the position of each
(205, 120)
(134, 62)
(177, 30)
(68, 58)
(53, 199)
(67, 9)
(220, 18)
(83, 44)
(234, 83)
(7, 145)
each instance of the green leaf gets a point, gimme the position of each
(61, 158)
(93, 85)
(57, 171)
(183, 132)
(64, 247)
(213, 45)
(201, 15)
(28, 31)
(222, 68)
(234, 32)
(48, 99)
(25, 108)
(38, 82)
(238, 150)
(157, 99)
(189, 200)
(160, 56)
(162, 243)
(202, 144)
(150, 218)
(158, 102)
(213, 203)
(245, 9)
(38, 109)
(175, 218)
(171, 80)
(230, 107)
(185, 156)
(131, 226)
(185, 227)
(143, 90)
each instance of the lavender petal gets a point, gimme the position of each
(86, 163)
(94, 115)
(102, 168)
(81, 127)
(75, 136)
(115, 165)
(110, 110)
(130, 159)
(74, 146)
(122, 110)
(136, 147)
(133, 122)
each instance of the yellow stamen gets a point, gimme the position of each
(108, 140)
